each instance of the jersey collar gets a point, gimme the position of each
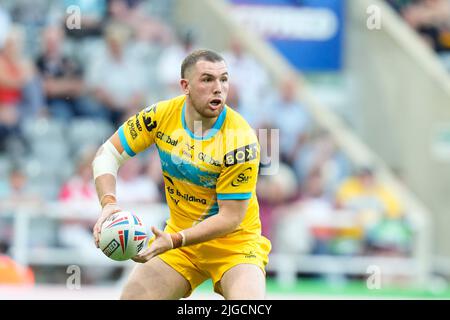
(216, 127)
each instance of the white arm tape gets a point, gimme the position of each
(108, 161)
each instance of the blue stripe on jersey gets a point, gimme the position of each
(216, 127)
(123, 141)
(186, 171)
(234, 196)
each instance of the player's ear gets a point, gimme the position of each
(184, 83)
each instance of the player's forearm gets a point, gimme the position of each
(105, 185)
(230, 215)
(211, 228)
(108, 159)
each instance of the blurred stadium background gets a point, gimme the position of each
(359, 90)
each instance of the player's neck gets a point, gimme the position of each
(196, 123)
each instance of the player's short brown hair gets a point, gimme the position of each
(197, 55)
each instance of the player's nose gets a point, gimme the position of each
(217, 89)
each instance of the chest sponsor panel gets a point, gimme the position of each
(177, 195)
(166, 138)
(206, 158)
(241, 155)
(186, 170)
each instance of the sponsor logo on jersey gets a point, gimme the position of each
(166, 138)
(138, 123)
(186, 196)
(208, 159)
(242, 178)
(149, 124)
(250, 254)
(241, 155)
(132, 129)
(190, 198)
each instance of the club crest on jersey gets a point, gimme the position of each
(241, 155)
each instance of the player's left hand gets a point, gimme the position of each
(162, 243)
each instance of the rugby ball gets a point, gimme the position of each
(122, 236)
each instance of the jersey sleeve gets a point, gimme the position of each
(237, 181)
(138, 132)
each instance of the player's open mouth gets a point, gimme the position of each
(215, 103)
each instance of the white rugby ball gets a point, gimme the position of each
(122, 236)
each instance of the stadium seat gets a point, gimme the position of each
(5, 165)
(84, 132)
(42, 129)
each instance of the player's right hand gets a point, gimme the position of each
(107, 210)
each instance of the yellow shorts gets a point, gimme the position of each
(213, 258)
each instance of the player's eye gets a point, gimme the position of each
(224, 79)
(206, 80)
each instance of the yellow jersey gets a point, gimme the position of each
(198, 171)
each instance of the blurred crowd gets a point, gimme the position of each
(63, 91)
(431, 19)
